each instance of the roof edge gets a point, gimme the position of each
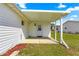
(24, 10)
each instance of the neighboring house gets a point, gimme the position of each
(70, 27)
(70, 23)
(16, 25)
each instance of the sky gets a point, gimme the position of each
(48, 6)
(74, 7)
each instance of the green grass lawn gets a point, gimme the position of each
(53, 50)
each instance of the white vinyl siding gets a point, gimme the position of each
(10, 29)
(45, 26)
(8, 38)
(72, 26)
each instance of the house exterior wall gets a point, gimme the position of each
(45, 29)
(24, 30)
(70, 27)
(11, 31)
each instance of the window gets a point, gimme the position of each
(22, 22)
(34, 24)
(39, 28)
(56, 28)
(65, 27)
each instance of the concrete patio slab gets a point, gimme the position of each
(39, 41)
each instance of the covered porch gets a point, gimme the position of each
(40, 25)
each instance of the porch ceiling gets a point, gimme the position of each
(44, 16)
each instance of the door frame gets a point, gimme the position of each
(39, 30)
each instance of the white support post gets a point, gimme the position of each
(55, 32)
(61, 31)
(61, 35)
